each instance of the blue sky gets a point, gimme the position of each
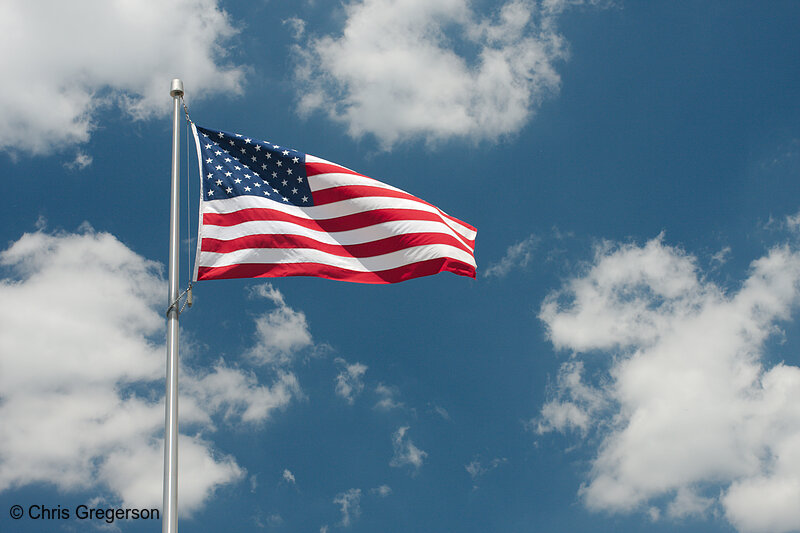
(626, 359)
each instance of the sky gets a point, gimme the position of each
(625, 360)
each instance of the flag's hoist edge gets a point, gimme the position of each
(357, 229)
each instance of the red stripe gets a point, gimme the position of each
(415, 270)
(313, 169)
(347, 192)
(327, 225)
(367, 249)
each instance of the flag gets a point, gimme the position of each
(269, 211)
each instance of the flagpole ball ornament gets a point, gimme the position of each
(176, 89)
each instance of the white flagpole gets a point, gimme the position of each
(169, 523)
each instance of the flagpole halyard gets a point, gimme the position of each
(169, 522)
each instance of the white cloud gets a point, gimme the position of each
(349, 503)
(477, 469)
(349, 383)
(517, 256)
(692, 414)
(60, 65)
(288, 476)
(405, 453)
(403, 69)
(280, 334)
(383, 491)
(297, 25)
(81, 347)
(441, 411)
(575, 404)
(386, 396)
(237, 394)
(80, 162)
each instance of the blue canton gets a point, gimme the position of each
(235, 165)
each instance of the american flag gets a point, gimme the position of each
(269, 211)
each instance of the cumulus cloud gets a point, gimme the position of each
(281, 333)
(349, 503)
(575, 404)
(687, 410)
(403, 69)
(387, 398)
(61, 66)
(349, 382)
(477, 468)
(81, 347)
(288, 477)
(80, 162)
(517, 256)
(405, 453)
(383, 491)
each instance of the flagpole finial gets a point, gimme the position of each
(176, 89)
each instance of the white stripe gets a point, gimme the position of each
(355, 236)
(329, 180)
(334, 210)
(305, 255)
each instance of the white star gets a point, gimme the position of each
(279, 163)
(238, 168)
(257, 184)
(247, 141)
(211, 193)
(208, 145)
(289, 171)
(209, 160)
(221, 135)
(305, 198)
(227, 159)
(219, 182)
(253, 158)
(294, 191)
(295, 160)
(219, 167)
(229, 190)
(284, 183)
(263, 167)
(228, 174)
(247, 189)
(237, 180)
(230, 142)
(217, 153)
(209, 175)
(299, 179)
(258, 148)
(242, 150)
(238, 135)
(275, 146)
(284, 199)
(274, 174)
(268, 155)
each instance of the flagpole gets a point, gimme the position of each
(169, 523)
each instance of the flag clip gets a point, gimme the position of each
(187, 302)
